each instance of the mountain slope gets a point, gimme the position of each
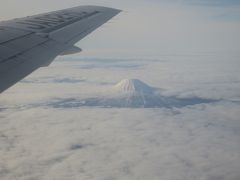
(130, 93)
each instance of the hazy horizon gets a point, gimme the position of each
(151, 28)
(155, 94)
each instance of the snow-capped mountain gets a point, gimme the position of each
(130, 93)
(133, 86)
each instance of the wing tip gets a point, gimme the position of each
(102, 7)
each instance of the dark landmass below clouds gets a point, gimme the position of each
(129, 93)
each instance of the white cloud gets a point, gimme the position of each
(200, 142)
(195, 142)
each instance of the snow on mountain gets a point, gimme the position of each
(133, 86)
(130, 93)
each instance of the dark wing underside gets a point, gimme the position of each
(32, 42)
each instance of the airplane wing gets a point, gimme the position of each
(35, 41)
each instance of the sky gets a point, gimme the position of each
(187, 50)
(151, 28)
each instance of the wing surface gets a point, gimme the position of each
(32, 42)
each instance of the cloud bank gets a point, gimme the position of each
(198, 141)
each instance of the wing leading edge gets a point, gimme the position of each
(32, 42)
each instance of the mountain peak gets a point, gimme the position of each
(131, 93)
(133, 86)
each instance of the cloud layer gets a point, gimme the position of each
(196, 143)
(192, 50)
(199, 141)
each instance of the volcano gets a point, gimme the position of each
(130, 93)
(133, 86)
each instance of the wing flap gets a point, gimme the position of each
(19, 46)
(8, 34)
(71, 50)
(18, 67)
(32, 42)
